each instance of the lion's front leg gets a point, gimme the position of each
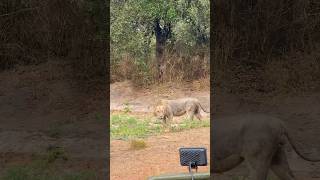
(169, 118)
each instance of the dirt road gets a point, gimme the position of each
(299, 112)
(124, 94)
(40, 107)
(162, 153)
(160, 157)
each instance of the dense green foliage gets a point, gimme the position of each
(132, 29)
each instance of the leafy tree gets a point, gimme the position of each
(138, 25)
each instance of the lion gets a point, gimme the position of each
(166, 109)
(257, 140)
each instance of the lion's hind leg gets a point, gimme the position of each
(258, 168)
(258, 160)
(190, 111)
(280, 166)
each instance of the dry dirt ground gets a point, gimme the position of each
(41, 107)
(142, 100)
(300, 113)
(161, 156)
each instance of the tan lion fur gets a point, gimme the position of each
(166, 109)
(258, 140)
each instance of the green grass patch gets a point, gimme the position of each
(43, 167)
(190, 124)
(34, 172)
(124, 126)
(127, 108)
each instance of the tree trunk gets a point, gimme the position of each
(162, 34)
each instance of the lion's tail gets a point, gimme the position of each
(291, 141)
(203, 108)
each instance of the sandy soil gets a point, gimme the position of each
(162, 153)
(300, 112)
(141, 100)
(160, 157)
(36, 101)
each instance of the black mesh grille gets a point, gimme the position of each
(193, 155)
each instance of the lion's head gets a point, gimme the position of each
(159, 111)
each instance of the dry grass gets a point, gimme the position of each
(32, 32)
(178, 69)
(292, 73)
(295, 73)
(202, 84)
(266, 46)
(137, 144)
